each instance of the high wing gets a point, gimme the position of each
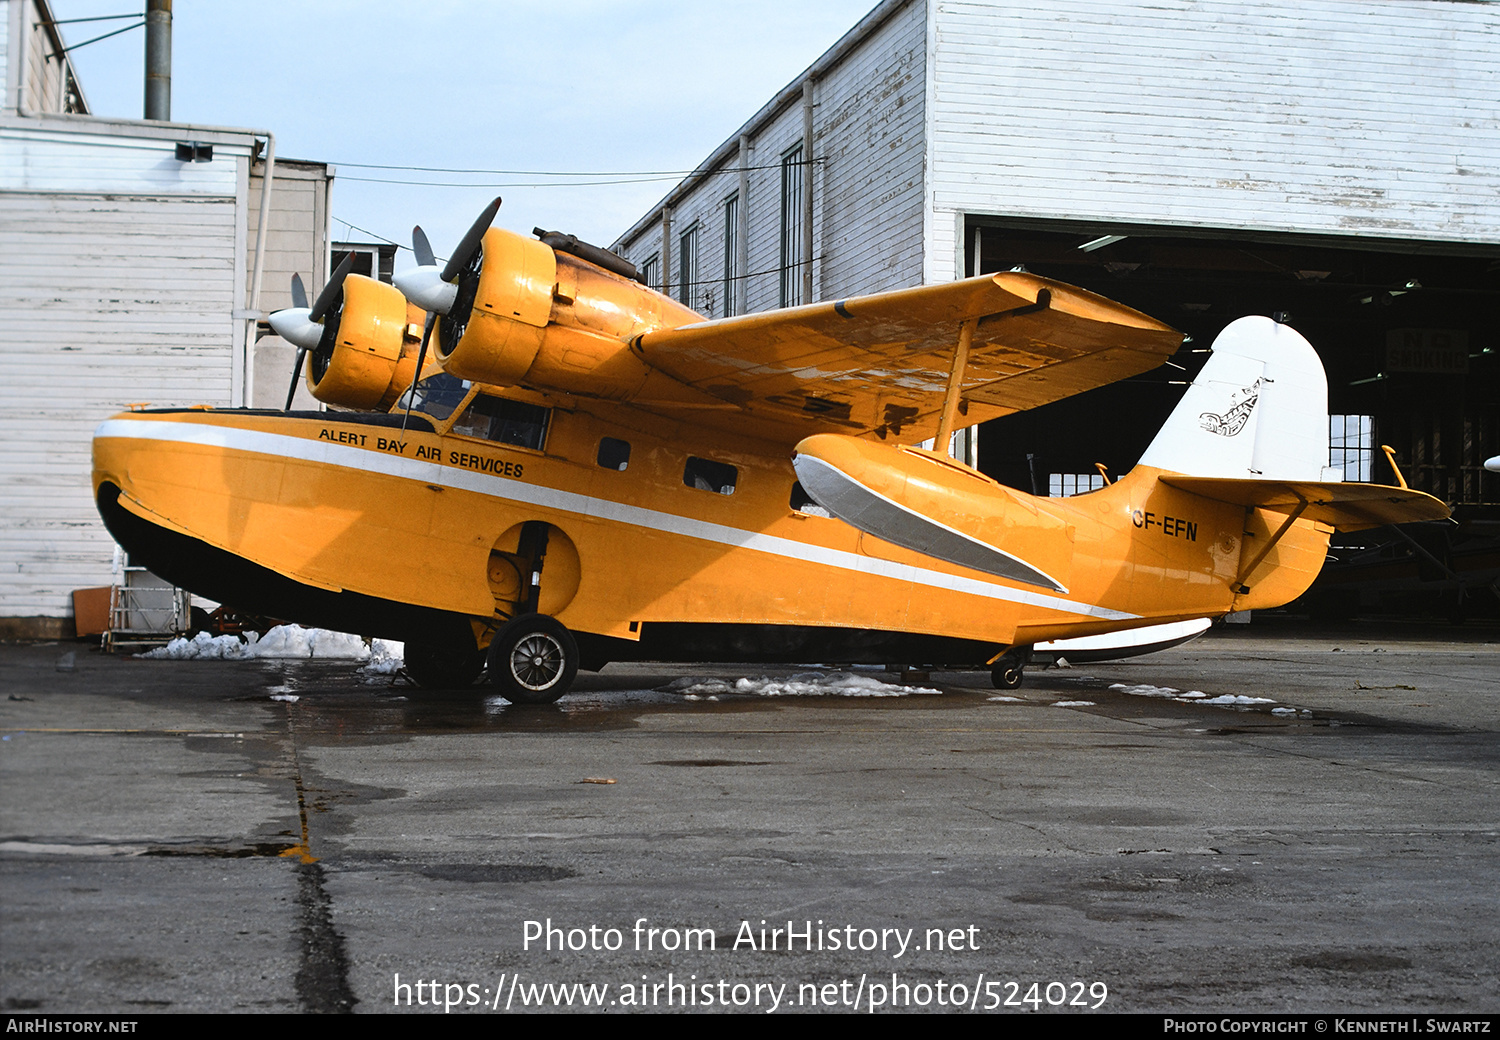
(880, 365)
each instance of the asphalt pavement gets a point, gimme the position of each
(1315, 831)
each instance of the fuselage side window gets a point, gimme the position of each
(505, 422)
(614, 454)
(706, 475)
(802, 502)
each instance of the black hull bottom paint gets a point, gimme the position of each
(236, 582)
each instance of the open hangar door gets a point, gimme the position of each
(1407, 330)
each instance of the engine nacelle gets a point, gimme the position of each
(368, 352)
(534, 317)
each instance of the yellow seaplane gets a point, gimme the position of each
(584, 471)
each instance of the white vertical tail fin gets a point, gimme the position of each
(1259, 409)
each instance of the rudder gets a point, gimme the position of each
(1258, 409)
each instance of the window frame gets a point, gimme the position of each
(731, 252)
(687, 263)
(793, 184)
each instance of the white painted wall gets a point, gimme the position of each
(1346, 117)
(121, 270)
(866, 188)
(104, 301)
(39, 158)
(5, 100)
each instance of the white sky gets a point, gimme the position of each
(591, 86)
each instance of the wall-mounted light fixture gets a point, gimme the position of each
(194, 151)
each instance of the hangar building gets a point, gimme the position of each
(1333, 161)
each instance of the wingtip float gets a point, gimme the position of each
(552, 466)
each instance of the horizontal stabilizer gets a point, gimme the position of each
(1343, 506)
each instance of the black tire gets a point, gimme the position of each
(442, 668)
(1010, 669)
(533, 659)
(1007, 676)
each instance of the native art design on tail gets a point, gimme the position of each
(1233, 420)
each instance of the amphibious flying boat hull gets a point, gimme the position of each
(343, 521)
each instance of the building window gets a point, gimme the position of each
(706, 475)
(651, 271)
(1351, 445)
(1061, 485)
(791, 227)
(731, 252)
(687, 264)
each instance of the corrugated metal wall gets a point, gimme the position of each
(1347, 117)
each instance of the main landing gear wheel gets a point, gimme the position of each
(442, 668)
(533, 659)
(1010, 669)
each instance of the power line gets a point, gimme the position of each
(563, 173)
(366, 231)
(512, 184)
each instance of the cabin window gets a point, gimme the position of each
(706, 475)
(505, 422)
(791, 227)
(802, 502)
(1351, 445)
(436, 396)
(1062, 485)
(614, 454)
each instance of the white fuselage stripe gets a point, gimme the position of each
(352, 457)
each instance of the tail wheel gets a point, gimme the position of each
(533, 659)
(1010, 669)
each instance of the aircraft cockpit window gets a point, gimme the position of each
(614, 454)
(710, 476)
(504, 422)
(436, 396)
(802, 502)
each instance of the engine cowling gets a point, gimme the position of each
(368, 352)
(525, 315)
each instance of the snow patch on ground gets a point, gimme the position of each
(1072, 704)
(286, 642)
(386, 656)
(805, 684)
(1193, 696)
(1000, 697)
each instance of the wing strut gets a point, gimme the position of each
(944, 442)
(1286, 525)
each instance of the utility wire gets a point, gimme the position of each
(693, 284)
(565, 173)
(513, 184)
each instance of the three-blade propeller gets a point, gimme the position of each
(303, 326)
(435, 291)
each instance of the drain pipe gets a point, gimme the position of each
(252, 314)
